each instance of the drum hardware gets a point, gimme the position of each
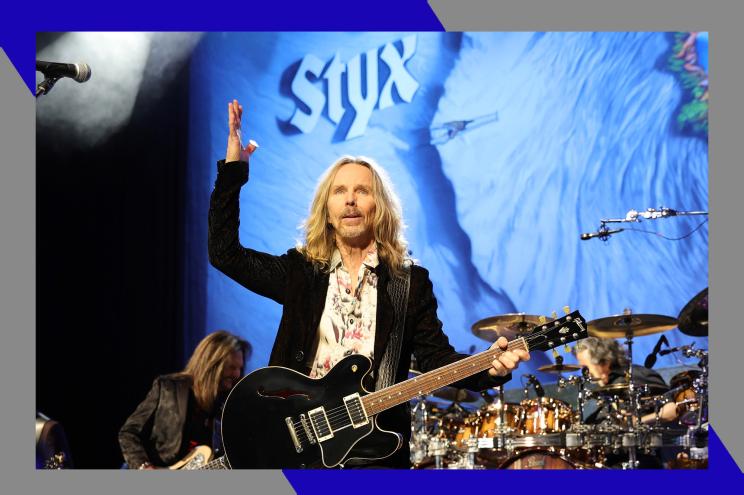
(695, 388)
(472, 450)
(578, 382)
(629, 325)
(437, 448)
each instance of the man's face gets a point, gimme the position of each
(351, 204)
(599, 372)
(232, 372)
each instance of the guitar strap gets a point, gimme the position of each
(398, 292)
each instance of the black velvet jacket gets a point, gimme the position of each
(153, 432)
(301, 288)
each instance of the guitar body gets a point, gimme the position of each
(196, 459)
(271, 419)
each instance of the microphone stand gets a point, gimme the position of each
(603, 233)
(46, 85)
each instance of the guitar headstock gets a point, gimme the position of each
(559, 331)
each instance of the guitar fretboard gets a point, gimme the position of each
(218, 463)
(426, 383)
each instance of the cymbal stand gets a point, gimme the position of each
(699, 444)
(634, 406)
(419, 432)
(579, 382)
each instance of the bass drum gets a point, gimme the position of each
(538, 459)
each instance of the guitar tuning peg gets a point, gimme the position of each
(554, 315)
(567, 310)
(567, 349)
(555, 354)
(542, 319)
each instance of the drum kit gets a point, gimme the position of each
(541, 432)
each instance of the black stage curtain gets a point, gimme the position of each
(109, 259)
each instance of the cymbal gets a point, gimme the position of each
(693, 320)
(622, 389)
(559, 368)
(510, 325)
(615, 327)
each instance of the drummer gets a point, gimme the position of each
(607, 364)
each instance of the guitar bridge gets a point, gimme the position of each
(293, 434)
(355, 410)
(319, 423)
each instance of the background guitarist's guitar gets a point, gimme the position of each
(276, 417)
(199, 458)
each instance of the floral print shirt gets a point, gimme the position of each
(347, 325)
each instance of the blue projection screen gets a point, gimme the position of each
(504, 148)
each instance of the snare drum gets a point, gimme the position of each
(544, 415)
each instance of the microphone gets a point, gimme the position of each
(651, 358)
(536, 383)
(603, 234)
(675, 349)
(78, 72)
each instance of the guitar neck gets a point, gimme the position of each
(427, 383)
(218, 463)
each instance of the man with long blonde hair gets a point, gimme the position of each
(349, 288)
(180, 409)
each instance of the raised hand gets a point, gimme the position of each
(235, 149)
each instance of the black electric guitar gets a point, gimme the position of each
(276, 417)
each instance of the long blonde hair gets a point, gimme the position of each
(207, 363)
(388, 226)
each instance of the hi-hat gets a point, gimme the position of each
(559, 368)
(617, 326)
(693, 320)
(511, 326)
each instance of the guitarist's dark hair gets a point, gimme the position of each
(206, 364)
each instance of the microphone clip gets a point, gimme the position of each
(46, 85)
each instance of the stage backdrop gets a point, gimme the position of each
(504, 148)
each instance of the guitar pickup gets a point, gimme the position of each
(319, 423)
(355, 410)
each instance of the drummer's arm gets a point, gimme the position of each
(667, 413)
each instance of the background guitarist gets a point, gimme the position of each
(180, 409)
(335, 287)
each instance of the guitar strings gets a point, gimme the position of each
(339, 413)
(338, 417)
